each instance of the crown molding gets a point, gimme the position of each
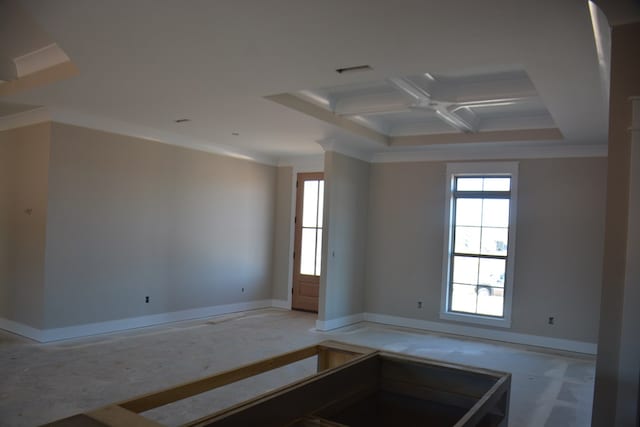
(136, 131)
(120, 127)
(333, 145)
(518, 136)
(311, 162)
(493, 152)
(453, 152)
(25, 118)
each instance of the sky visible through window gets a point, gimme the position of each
(311, 246)
(481, 234)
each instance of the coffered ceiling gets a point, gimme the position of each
(258, 79)
(429, 104)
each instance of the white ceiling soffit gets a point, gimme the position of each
(29, 57)
(429, 104)
(24, 47)
(150, 62)
(40, 59)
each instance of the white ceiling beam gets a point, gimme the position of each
(454, 120)
(418, 94)
(492, 102)
(373, 110)
(306, 107)
(377, 103)
(422, 99)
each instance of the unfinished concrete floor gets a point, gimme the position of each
(44, 382)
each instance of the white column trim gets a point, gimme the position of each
(635, 116)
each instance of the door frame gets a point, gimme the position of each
(312, 163)
(297, 277)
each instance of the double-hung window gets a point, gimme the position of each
(480, 237)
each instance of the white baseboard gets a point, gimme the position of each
(87, 329)
(281, 303)
(55, 334)
(491, 334)
(327, 325)
(21, 329)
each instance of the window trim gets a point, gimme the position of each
(479, 169)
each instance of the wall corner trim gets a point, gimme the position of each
(490, 334)
(339, 322)
(89, 329)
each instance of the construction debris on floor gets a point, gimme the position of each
(45, 382)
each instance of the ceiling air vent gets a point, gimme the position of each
(354, 69)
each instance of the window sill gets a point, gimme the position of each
(475, 319)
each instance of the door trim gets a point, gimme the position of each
(303, 303)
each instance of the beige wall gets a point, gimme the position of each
(130, 218)
(282, 237)
(558, 250)
(24, 158)
(405, 242)
(342, 284)
(616, 390)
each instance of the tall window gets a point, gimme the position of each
(479, 254)
(311, 248)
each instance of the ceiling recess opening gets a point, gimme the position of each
(354, 69)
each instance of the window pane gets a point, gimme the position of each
(320, 202)
(310, 204)
(469, 184)
(465, 270)
(491, 272)
(489, 303)
(463, 298)
(480, 232)
(467, 240)
(308, 249)
(497, 184)
(494, 241)
(468, 212)
(495, 212)
(319, 252)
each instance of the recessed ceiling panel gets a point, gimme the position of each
(427, 103)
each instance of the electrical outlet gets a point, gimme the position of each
(419, 304)
(146, 300)
(551, 320)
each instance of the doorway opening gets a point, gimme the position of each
(307, 252)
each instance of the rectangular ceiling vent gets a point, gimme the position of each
(354, 69)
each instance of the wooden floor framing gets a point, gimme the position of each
(353, 386)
